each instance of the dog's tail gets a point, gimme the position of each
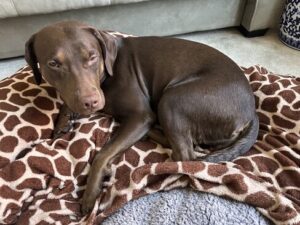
(242, 144)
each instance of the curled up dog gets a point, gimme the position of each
(199, 97)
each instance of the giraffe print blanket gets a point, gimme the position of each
(42, 180)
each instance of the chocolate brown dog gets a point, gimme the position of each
(199, 96)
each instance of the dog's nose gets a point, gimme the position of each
(91, 102)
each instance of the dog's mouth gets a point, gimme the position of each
(86, 105)
(86, 112)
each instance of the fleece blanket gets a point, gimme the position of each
(42, 180)
(186, 207)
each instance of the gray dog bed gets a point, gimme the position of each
(184, 206)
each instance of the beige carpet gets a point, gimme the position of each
(267, 51)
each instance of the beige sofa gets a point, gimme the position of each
(20, 18)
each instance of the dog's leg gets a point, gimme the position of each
(174, 115)
(131, 130)
(176, 133)
(64, 121)
(182, 145)
(159, 137)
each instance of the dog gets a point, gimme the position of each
(199, 96)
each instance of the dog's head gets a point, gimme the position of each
(73, 58)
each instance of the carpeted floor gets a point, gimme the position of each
(267, 51)
(9, 66)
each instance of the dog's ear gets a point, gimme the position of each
(109, 48)
(31, 59)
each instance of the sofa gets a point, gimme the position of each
(20, 18)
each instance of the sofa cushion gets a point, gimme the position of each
(13, 8)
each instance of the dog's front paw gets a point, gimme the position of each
(95, 182)
(64, 122)
(62, 127)
(88, 201)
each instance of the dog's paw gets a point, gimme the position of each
(183, 156)
(62, 129)
(57, 133)
(201, 153)
(95, 183)
(64, 124)
(87, 206)
(87, 203)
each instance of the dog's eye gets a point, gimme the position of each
(54, 64)
(93, 56)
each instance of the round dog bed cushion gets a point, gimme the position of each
(43, 180)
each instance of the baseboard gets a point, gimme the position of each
(254, 33)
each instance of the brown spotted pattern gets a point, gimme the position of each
(42, 180)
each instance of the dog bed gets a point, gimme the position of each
(42, 180)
